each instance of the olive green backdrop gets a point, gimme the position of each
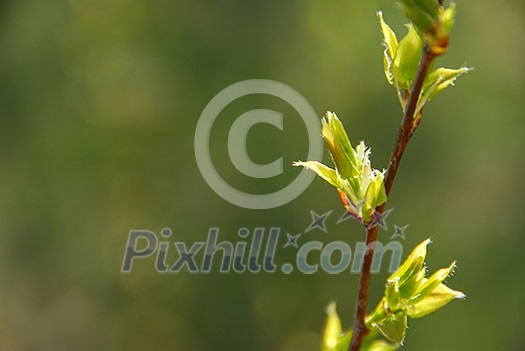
(99, 102)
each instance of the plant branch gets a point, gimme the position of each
(409, 123)
(408, 126)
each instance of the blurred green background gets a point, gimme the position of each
(99, 101)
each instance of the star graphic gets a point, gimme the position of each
(291, 240)
(318, 221)
(344, 217)
(380, 219)
(399, 232)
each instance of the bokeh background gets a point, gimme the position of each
(99, 101)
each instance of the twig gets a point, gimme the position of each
(408, 126)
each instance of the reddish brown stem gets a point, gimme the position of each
(408, 126)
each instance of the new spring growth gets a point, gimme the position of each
(408, 294)
(360, 186)
(336, 340)
(332, 328)
(401, 58)
(433, 20)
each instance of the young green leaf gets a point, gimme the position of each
(438, 298)
(432, 20)
(394, 327)
(443, 78)
(389, 36)
(406, 61)
(438, 80)
(361, 187)
(375, 194)
(322, 171)
(423, 13)
(446, 18)
(391, 44)
(392, 293)
(412, 265)
(332, 329)
(433, 281)
(408, 290)
(344, 341)
(438, 38)
(338, 144)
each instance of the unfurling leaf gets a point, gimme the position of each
(438, 298)
(344, 341)
(322, 171)
(440, 79)
(391, 44)
(389, 36)
(409, 288)
(428, 285)
(432, 20)
(438, 38)
(411, 273)
(406, 61)
(394, 327)
(332, 329)
(408, 292)
(338, 144)
(360, 186)
(446, 18)
(431, 23)
(392, 293)
(412, 265)
(375, 193)
(423, 13)
(401, 60)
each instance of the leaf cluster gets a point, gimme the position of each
(409, 293)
